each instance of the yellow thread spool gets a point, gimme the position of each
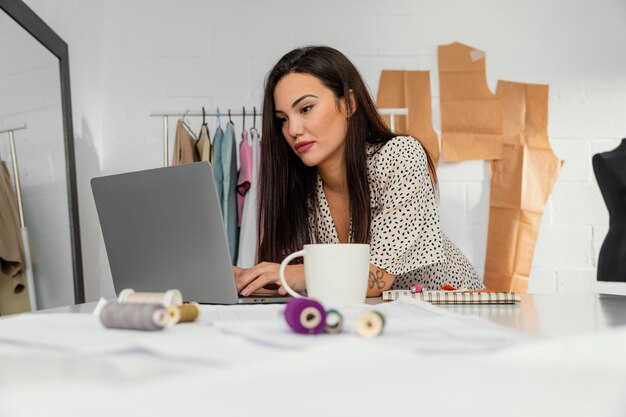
(189, 312)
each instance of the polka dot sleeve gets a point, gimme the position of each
(405, 232)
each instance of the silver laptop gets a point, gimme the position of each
(163, 229)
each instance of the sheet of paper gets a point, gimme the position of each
(471, 123)
(521, 183)
(411, 325)
(235, 332)
(410, 90)
(84, 334)
(241, 312)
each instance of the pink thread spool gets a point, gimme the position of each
(415, 288)
(305, 316)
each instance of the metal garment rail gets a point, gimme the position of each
(391, 112)
(28, 267)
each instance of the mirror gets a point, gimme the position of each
(34, 91)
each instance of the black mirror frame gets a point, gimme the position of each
(33, 24)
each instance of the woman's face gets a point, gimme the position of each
(313, 123)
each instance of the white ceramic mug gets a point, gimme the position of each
(335, 273)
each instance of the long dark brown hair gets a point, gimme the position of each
(287, 187)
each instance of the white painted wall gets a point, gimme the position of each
(129, 58)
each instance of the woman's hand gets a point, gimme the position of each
(265, 274)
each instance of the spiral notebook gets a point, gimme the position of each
(455, 297)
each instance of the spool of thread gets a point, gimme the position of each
(417, 287)
(168, 298)
(134, 316)
(173, 313)
(188, 312)
(334, 321)
(305, 316)
(370, 324)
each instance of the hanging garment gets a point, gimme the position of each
(229, 189)
(245, 173)
(249, 233)
(11, 255)
(184, 146)
(203, 145)
(218, 170)
(13, 297)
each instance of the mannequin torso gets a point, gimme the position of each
(610, 170)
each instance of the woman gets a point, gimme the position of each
(332, 172)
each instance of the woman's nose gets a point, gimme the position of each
(295, 128)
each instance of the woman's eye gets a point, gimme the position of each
(282, 120)
(306, 109)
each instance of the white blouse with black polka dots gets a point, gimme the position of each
(405, 236)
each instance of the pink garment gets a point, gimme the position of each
(244, 179)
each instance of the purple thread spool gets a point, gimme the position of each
(305, 316)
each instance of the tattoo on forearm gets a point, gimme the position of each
(376, 279)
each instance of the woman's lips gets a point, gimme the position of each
(303, 146)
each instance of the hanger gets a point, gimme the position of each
(229, 118)
(203, 116)
(219, 115)
(253, 128)
(182, 117)
(244, 119)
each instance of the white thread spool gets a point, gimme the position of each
(370, 324)
(168, 298)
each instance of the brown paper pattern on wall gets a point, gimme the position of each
(471, 124)
(410, 90)
(521, 183)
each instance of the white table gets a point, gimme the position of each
(565, 356)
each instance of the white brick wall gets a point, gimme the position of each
(132, 57)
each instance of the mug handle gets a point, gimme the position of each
(281, 273)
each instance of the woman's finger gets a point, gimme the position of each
(237, 270)
(248, 275)
(258, 283)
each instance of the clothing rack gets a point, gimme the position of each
(165, 115)
(28, 265)
(392, 113)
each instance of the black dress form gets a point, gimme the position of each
(610, 170)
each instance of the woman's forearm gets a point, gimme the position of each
(379, 280)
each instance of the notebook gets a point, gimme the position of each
(163, 229)
(455, 297)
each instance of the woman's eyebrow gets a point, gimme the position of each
(295, 103)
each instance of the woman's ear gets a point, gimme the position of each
(352, 108)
